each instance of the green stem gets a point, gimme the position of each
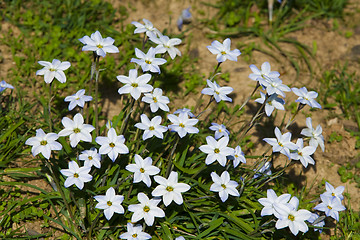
(92, 73)
(97, 71)
(126, 120)
(49, 107)
(170, 165)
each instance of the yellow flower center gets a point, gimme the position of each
(77, 98)
(236, 156)
(223, 186)
(219, 130)
(99, 46)
(291, 217)
(281, 145)
(76, 175)
(216, 150)
(90, 158)
(112, 145)
(217, 92)
(109, 203)
(147, 61)
(151, 128)
(52, 70)
(333, 194)
(134, 85)
(223, 52)
(146, 209)
(134, 235)
(142, 170)
(181, 125)
(43, 142)
(77, 130)
(169, 189)
(154, 99)
(329, 207)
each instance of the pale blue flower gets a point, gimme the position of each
(220, 130)
(99, 45)
(54, 69)
(4, 85)
(148, 61)
(306, 97)
(223, 52)
(224, 186)
(282, 143)
(78, 99)
(270, 200)
(331, 206)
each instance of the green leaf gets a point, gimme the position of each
(213, 225)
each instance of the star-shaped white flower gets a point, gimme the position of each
(91, 158)
(170, 189)
(148, 61)
(76, 129)
(272, 102)
(147, 28)
(224, 186)
(185, 110)
(219, 93)
(315, 135)
(110, 202)
(223, 52)
(143, 169)
(152, 127)
(146, 209)
(165, 44)
(135, 233)
(54, 69)
(43, 143)
(303, 153)
(112, 145)
(135, 85)
(281, 143)
(292, 218)
(4, 85)
(270, 200)
(99, 45)
(331, 206)
(264, 72)
(182, 124)
(156, 100)
(217, 150)
(332, 192)
(220, 130)
(274, 86)
(76, 175)
(306, 97)
(78, 99)
(238, 157)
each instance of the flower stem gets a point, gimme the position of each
(170, 165)
(97, 71)
(49, 107)
(92, 72)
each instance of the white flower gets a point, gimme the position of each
(146, 209)
(143, 169)
(135, 233)
(331, 206)
(156, 100)
(216, 150)
(220, 130)
(316, 138)
(4, 85)
(264, 170)
(148, 61)
(238, 156)
(290, 217)
(43, 143)
(78, 99)
(99, 45)
(270, 200)
(281, 143)
(170, 189)
(76, 129)
(219, 93)
(53, 70)
(146, 28)
(264, 72)
(303, 153)
(76, 175)
(332, 192)
(110, 202)
(91, 158)
(271, 103)
(223, 51)
(224, 186)
(112, 145)
(316, 222)
(165, 44)
(273, 86)
(180, 238)
(152, 127)
(306, 97)
(182, 124)
(135, 85)
(185, 110)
